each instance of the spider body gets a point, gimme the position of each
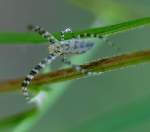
(56, 49)
(71, 47)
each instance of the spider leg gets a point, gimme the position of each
(104, 38)
(78, 67)
(45, 34)
(67, 30)
(33, 73)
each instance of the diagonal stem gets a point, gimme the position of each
(101, 65)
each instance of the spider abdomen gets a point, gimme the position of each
(76, 46)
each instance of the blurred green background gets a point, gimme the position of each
(117, 101)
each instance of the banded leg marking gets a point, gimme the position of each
(33, 73)
(45, 34)
(79, 68)
(63, 32)
(91, 35)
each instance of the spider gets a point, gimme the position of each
(63, 48)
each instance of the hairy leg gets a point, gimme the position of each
(78, 68)
(104, 38)
(63, 32)
(33, 73)
(45, 34)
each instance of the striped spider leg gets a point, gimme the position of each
(54, 52)
(34, 72)
(45, 34)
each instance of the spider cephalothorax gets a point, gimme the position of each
(56, 49)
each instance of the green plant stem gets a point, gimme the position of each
(28, 37)
(101, 65)
(16, 119)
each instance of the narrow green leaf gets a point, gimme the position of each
(29, 38)
(12, 37)
(108, 30)
(14, 120)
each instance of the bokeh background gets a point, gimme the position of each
(117, 101)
